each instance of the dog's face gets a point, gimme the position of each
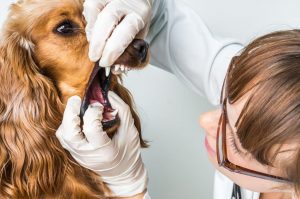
(54, 31)
(61, 47)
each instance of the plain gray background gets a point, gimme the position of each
(177, 162)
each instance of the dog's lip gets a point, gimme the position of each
(84, 104)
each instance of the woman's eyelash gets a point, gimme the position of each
(234, 146)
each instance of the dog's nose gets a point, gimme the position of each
(141, 47)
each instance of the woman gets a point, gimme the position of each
(253, 138)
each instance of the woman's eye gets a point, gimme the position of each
(66, 28)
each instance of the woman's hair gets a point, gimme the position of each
(269, 67)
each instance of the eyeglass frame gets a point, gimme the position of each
(225, 163)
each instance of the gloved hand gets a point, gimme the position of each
(117, 160)
(107, 34)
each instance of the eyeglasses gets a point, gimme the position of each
(222, 157)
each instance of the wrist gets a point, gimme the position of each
(128, 183)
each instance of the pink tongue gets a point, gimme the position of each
(95, 94)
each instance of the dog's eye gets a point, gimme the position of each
(66, 28)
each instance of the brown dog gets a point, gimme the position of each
(43, 61)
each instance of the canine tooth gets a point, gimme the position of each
(107, 71)
(114, 113)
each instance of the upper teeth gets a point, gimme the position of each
(118, 69)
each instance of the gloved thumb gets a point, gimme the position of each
(92, 126)
(127, 121)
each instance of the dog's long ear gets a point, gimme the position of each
(30, 112)
(126, 96)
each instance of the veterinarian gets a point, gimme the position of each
(261, 157)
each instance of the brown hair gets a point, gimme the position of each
(270, 66)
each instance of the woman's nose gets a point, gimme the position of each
(209, 122)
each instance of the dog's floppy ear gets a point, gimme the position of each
(126, 96)
(30, 112)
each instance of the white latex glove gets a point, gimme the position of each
(117, 160)
(107, 34)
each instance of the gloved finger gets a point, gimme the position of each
(92, 126)
(70, 128)
(117, 102)
(91, 9)
(120, 39)
(106, 21)
(127, 132)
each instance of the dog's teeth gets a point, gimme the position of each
(107, 71)
(122, 67)
(117, 67)
(114, 113)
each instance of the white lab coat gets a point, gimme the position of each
(182, 44)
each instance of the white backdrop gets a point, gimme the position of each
(177, 161)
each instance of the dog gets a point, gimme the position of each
(44, 61)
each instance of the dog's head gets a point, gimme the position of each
(52, 33)
(43, 61)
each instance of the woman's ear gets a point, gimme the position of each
(31, 158)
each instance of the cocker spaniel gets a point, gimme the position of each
(43, 61)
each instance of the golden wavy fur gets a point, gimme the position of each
(39, 71)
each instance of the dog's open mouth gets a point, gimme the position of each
(97, 91)
(135, 57)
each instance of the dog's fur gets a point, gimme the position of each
(39, 71)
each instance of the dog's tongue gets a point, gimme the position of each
(97, 90)
(95, 93)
